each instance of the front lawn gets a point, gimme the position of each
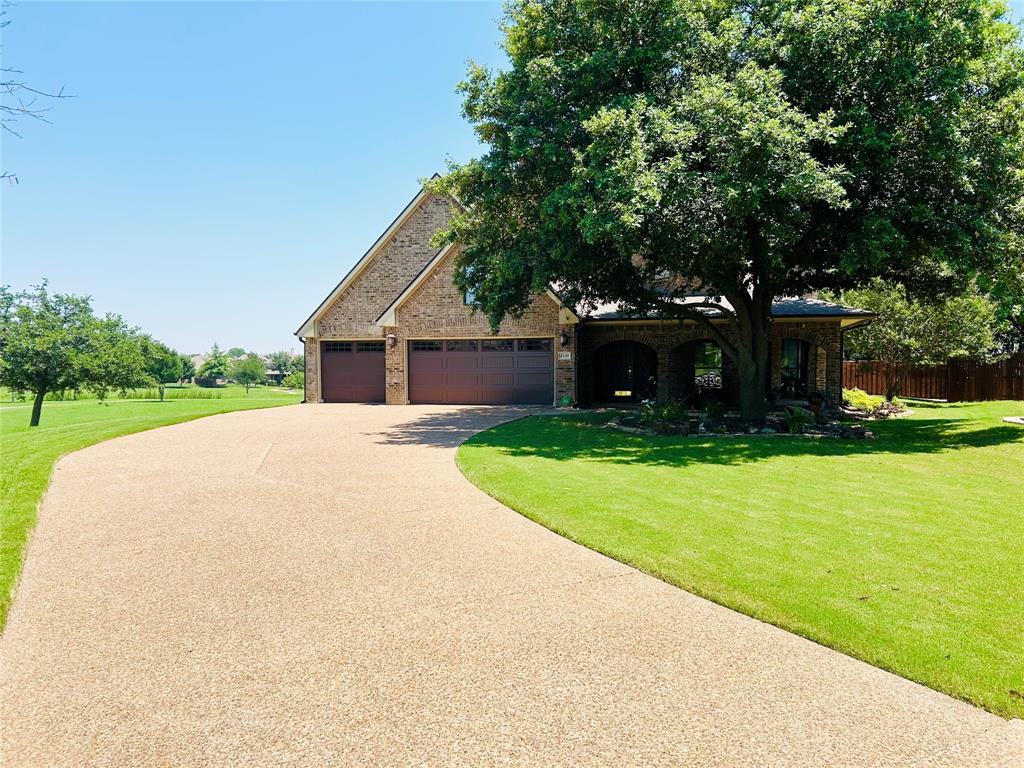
(27, 455)
(906, 551)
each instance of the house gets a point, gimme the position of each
(396, 330)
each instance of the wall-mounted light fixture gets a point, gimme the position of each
(565, 338)
(392, 340)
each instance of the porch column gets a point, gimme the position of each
(664, 384)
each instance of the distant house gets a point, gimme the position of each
(275, 376)
(397, 330)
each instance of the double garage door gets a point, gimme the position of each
(481, 371)
(463, 371)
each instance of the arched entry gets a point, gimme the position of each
(703, 374)
(624, 372)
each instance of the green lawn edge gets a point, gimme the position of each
(1004, 703)
(24, 491)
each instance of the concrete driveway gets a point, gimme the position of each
(318, 585)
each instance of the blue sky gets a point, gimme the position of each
(224, 164)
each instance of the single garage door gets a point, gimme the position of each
(482, 371)
(352, 371)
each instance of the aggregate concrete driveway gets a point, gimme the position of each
(318, 585)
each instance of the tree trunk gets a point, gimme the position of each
(37, 408)
(752, 367)
(161, 388)
(893, 381)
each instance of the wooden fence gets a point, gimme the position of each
(957, 380)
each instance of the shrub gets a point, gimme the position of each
(651, 412)
(860, 400)
(797, 419)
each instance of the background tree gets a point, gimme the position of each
(115, 359)
(162, 364)
(643, 151)
(215, 366)
(188, 368)
(909, 331)
(249, 371)
(282, 361)
(44, 342)
(236, 352)
(295, 380)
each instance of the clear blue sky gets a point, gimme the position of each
(224, 164)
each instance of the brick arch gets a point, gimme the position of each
(817, 337)
(641, 336)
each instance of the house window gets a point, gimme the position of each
(793, 367)
(337, 346)
(462, 345)
(426, 346)
(496, 345)
(370, 346)
(469, 297)
(707, 365)
(535, 345)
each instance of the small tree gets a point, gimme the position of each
(115, 360)
(44, 342)
(295, 380)
(188, 368)
(215, 366)
(162, 364)
(249, 370)
(236, 352)
(909, 331)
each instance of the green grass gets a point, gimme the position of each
(27, 455)
(906, 551)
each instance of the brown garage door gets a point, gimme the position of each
(481, 371)
(352, 371)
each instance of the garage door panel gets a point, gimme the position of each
(352, 372)
(481, 371)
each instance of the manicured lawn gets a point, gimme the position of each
(906, 551)
(27, 455)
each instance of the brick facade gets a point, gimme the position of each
(436, 310)
(669, 339)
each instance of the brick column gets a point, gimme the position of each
(394, 368)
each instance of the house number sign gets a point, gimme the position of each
(564, 355)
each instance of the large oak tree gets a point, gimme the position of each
(643, 150)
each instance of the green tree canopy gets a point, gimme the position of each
(909, 331)
(640, 151)
(44, 342)
(215, 366)
(162, 364)
(249, 370)
(188, 368)
(236, 352)
(115, 360)
(282, 361)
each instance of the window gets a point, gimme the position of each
(426, 346)
(462, 345)
(337, 346)
(535, 345)
(707, 365)
(793, 367)
(370, 346)
(469, 297)
(496, 345)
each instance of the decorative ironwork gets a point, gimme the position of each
(709, 381)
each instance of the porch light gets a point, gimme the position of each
(392, 340)
(565, 338)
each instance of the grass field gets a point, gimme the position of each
(906, 551)
(27, 455)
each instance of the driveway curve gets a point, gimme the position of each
(319, 585)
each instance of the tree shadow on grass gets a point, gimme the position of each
(584, 438)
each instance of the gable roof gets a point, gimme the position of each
(308, 327)
(565, 315)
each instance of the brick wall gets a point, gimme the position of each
(437, 310)
(354, 314)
